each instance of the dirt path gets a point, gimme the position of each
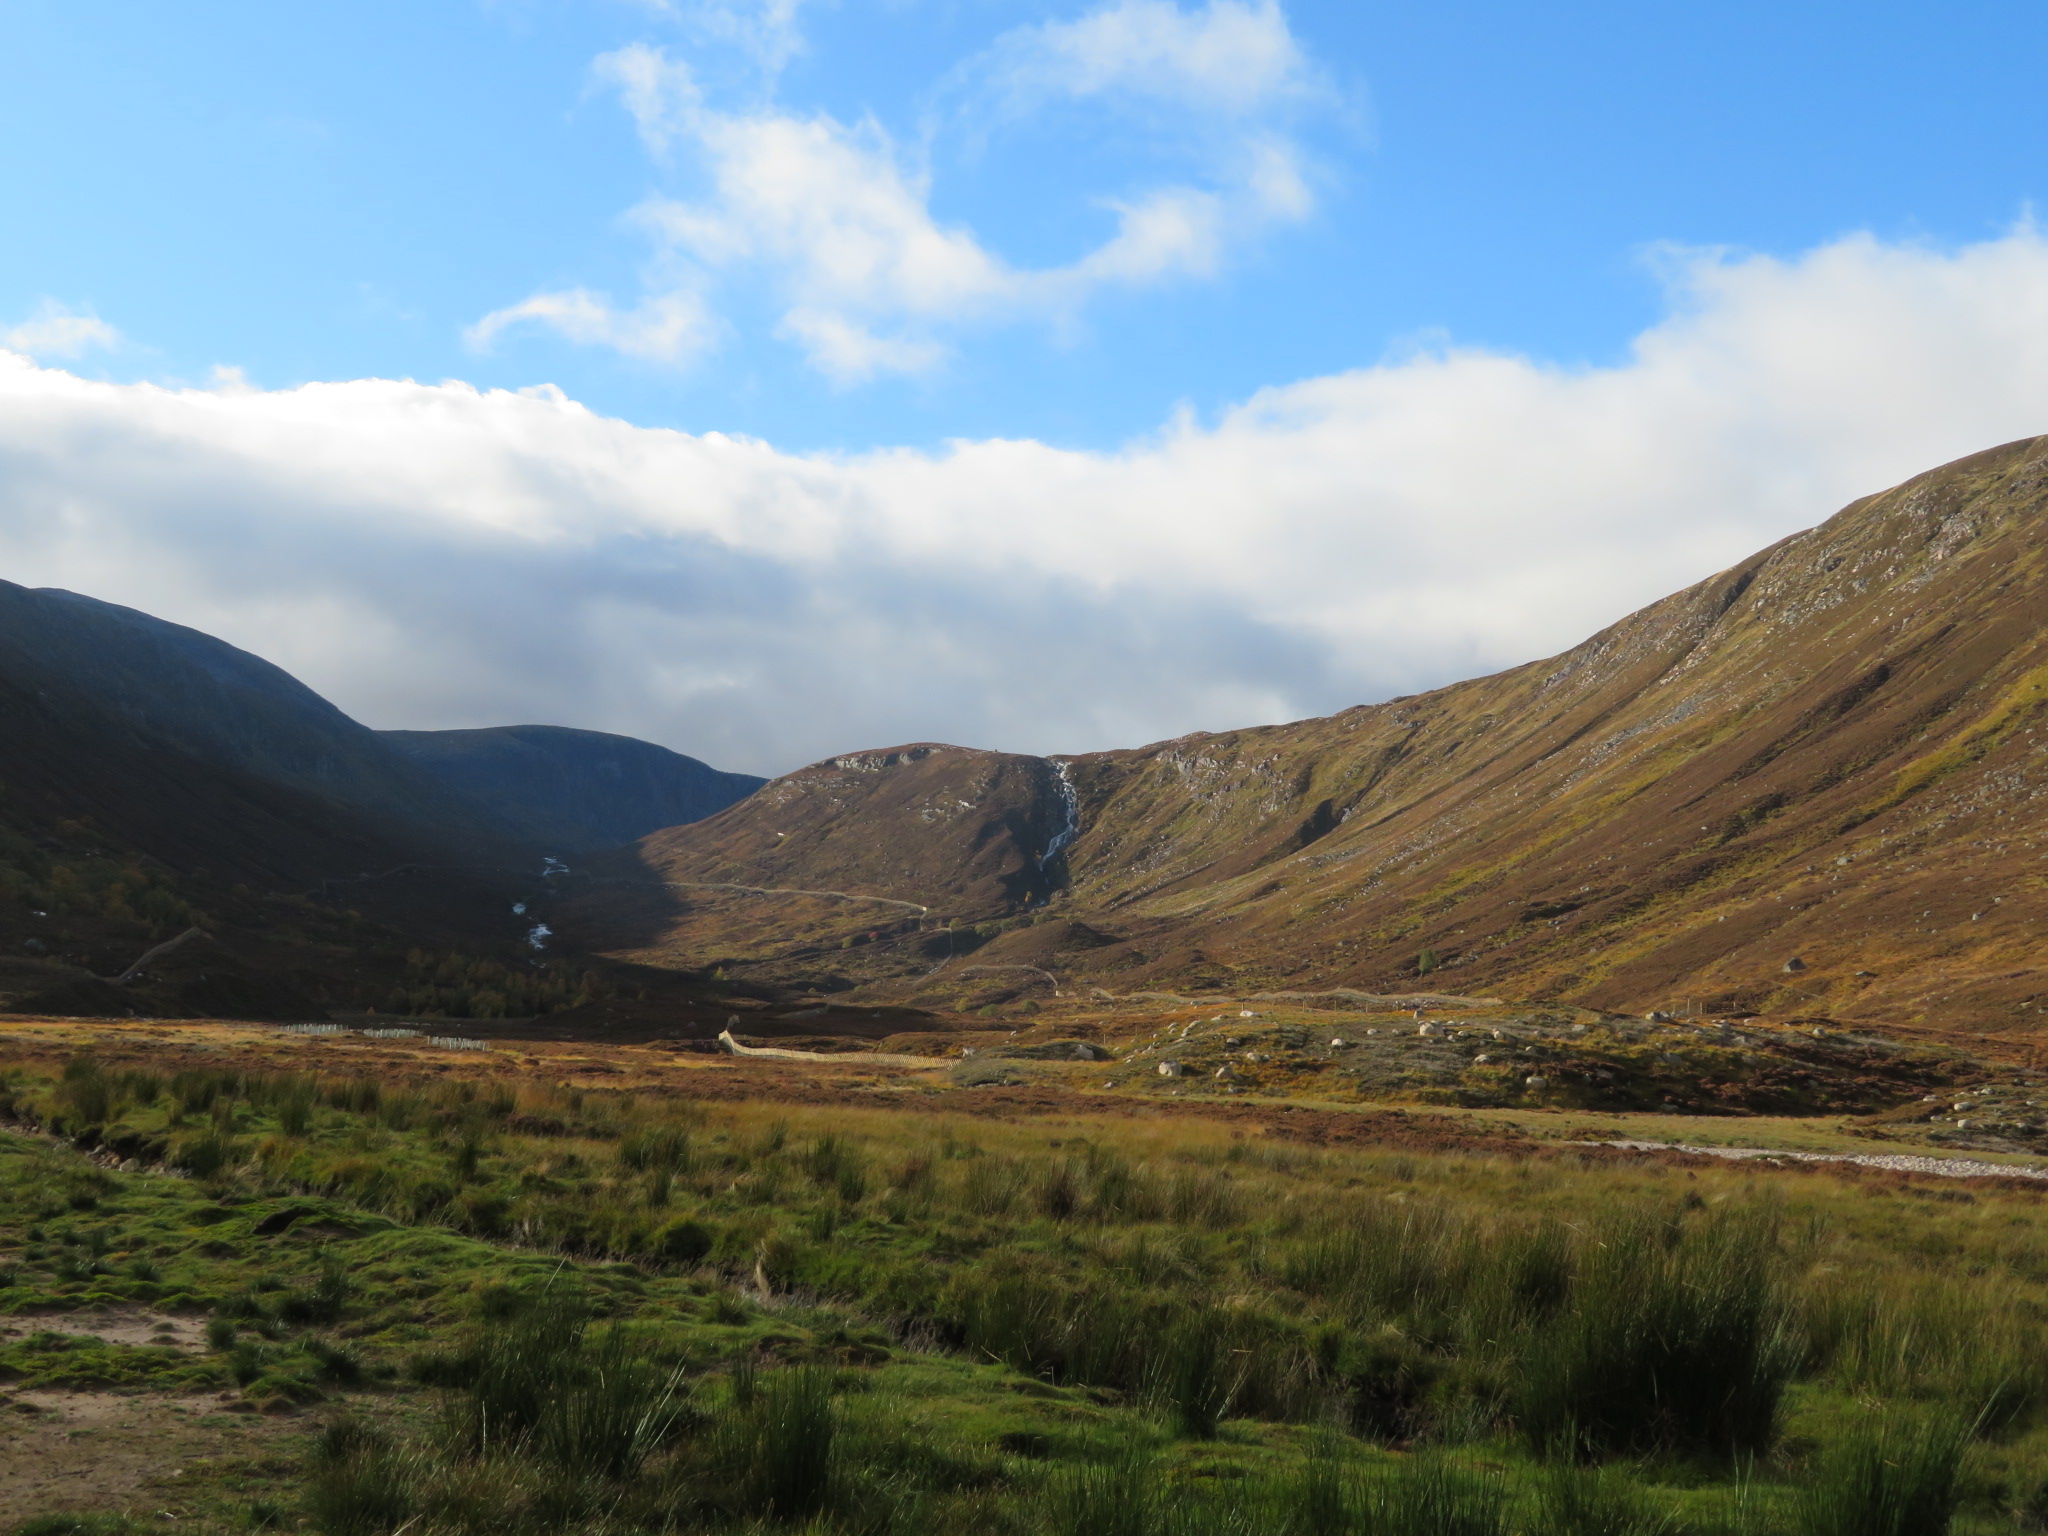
(840, 1059)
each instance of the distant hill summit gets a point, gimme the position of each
(1816, 783)
(574, 790)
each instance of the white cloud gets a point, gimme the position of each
(56, 330)
(764, 31)
(835, 220)
(669, 327)
(659, 93)
(435, 555)
(1229, 56)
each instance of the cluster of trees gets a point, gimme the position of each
(457, 986)
(63, 883)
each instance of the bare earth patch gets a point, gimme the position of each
(148, 1329)
(103, 1452)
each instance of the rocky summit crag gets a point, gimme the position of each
(1811, 784)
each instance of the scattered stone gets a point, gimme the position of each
(1538, 1083)
(1338, 1042)
(1428, 1030)
(1171, 1069)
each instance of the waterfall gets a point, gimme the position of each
(1070, 803)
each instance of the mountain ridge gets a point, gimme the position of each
(1628, 824)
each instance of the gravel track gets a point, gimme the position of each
(1898, 1162)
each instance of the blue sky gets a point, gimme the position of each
(773, 378)
(327, 191)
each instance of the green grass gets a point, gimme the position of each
(510, 1308)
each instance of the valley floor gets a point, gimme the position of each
(356, 1284)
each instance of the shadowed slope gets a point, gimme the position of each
(575, 790)
(219, 705)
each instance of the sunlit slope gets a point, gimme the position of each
(1827, 754)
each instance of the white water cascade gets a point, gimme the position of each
(1070, 802)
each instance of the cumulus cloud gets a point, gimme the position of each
(436, 555)
(56, 330)
(835, 219)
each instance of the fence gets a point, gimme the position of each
(442, 1042)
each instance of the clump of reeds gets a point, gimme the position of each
(1594, 1501)
(781, 1447)
(1120, 1496)
(1897, 1475)
(1194, 1374)
(1674, 1336)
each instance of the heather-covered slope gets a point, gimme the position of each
(573, 790)
(1825, 758)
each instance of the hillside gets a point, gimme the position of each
(187, 830)
(573, 790)
(218, 705)
(1810, 784)
(114, 841)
